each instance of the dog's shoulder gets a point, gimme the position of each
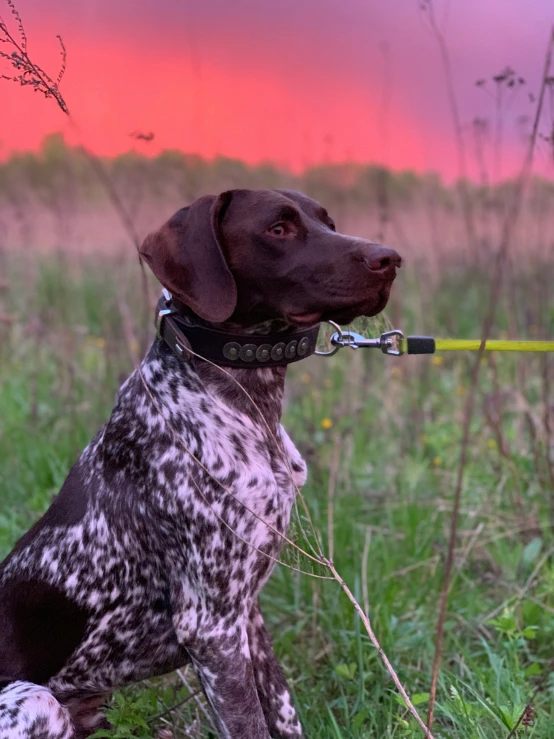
(67, 509)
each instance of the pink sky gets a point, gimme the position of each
(293, 81)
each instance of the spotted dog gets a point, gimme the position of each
(154, 553)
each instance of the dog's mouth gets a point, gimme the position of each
(346, 315)
(305, 319)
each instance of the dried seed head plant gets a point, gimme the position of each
(28, 72)
(507, 84)
(33, 75)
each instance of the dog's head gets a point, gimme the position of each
(249, 256)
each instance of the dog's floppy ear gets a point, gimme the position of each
(186, 257)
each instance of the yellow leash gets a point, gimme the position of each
(491, 345)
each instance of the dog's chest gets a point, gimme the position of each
(205, 455)
(235, 484)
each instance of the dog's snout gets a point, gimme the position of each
(380, 259)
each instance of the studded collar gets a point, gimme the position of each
(231, 350)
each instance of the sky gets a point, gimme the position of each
(296, 82)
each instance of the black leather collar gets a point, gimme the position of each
(230, 350)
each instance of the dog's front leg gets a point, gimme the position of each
(273, 690)
(221, 658)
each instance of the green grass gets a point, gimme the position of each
(397, 423)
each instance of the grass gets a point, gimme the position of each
(396, 426)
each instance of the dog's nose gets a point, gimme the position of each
(380, 259)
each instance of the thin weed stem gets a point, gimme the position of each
(272, 528)
(324, 561)
(509, 224)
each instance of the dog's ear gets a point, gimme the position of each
(186, 257)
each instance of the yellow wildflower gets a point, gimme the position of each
(437, 361)
(326, 424)
(437, 461)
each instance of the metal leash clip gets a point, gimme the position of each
(389, 342)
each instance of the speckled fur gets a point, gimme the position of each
(161, 578)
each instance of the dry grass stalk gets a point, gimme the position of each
(512, 215)
(324, 561)
(428, 9)
(366, 622)
(197, 695)
(521, 592)
(365, 557)
(272, 528)
(333, 475)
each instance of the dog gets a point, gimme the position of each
(154, 552)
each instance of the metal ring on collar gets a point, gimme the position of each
(337, 346)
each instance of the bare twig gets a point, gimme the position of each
(522, 592)
(366, 622)
(172, 708)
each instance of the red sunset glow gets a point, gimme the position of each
(294, 89)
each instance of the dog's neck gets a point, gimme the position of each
(265, 386)
(256, 392)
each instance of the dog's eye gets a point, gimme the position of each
(278, 229)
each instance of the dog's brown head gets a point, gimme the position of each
(250, 256)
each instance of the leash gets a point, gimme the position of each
(394, 343)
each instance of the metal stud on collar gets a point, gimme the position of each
(263, 353)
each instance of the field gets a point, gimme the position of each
(382, 438)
